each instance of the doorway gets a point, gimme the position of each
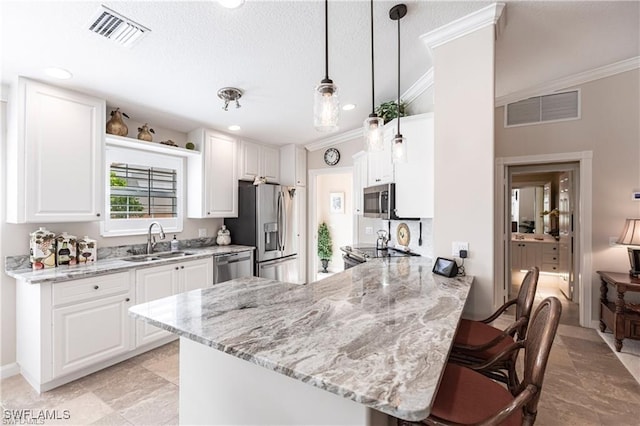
(330, 202)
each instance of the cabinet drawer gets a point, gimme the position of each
(550, 249)
(550, 258)
(89, 288)
(550, 267)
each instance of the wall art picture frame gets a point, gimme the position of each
(336, 202)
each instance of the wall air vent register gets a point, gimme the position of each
(542, 109)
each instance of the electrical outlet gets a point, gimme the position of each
(368, 230)
(456, 246)
(202, 232)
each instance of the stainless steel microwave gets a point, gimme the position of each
(380, 201)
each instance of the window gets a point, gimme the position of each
(142, 187)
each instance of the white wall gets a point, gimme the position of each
(347, 149)
(610, 128)
(464, 158)
(340, 224)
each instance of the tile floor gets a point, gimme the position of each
(585, 384)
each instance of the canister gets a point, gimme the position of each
(42, 249)
(66, 249)
(87, 250)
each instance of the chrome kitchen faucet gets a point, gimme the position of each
(150, 244)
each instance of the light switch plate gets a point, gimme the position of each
(456, 246)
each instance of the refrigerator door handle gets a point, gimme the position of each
(284, 224)
(279, 219)
(273, 263)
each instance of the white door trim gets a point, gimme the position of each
(584, 272)
(312, 259)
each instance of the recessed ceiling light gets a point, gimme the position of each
(231, 4)
(349, 107)
(58, 73)
(234, 127)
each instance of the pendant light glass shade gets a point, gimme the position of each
(326, 106)
(326, 103)
(374, 133)
(399, 149)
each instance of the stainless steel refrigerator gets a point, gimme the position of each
(266, 220)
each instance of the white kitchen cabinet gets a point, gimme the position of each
(300, 206)
(380, 168)
(359, 181)
(293, 165)
(525, 255)
(166, 280)
(55, 147)
(550, 257)
(259, 160)
(212, 188)
(418, 171)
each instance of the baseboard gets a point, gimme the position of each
(9, 370)
(595, 324)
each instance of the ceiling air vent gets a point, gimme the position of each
(541, 109)
(115, 27)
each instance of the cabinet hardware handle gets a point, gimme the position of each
(177, 268)
(95, 287)
(182, 267)
(98, 214)
(127, 299)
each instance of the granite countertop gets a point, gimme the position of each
(109, 266)
(378, 334)
(533, 238)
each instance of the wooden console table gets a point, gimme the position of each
(620, 317)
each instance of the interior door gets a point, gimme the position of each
(565, 221)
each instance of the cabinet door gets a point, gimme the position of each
(151, 284)
(301, 166)
(380, 166)
(90, 332)
(63, 142)
(249, 160)
(516, 255)
(196, 274)
(301, 233)
(270, 167)
(531, 255)
(418, 171)
(359, 181)
(221, 177)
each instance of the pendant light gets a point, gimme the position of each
(399, 144)
(326, 105)
(373, 125)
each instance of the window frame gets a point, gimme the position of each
(139, 226)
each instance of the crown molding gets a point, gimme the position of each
(460, 27)
(569, 81)
(334, 140)
(421, 85)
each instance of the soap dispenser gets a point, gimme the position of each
(175, 245)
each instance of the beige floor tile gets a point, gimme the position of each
(85, 409)
(156, 407)
(164, 351)
(113, 419)
(17, 393)
(166, 368)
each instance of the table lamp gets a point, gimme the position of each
(631, 237)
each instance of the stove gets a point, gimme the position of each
(356, 255)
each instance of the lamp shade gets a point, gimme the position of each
(631, 233)
(399, 149)
(326, 106)
(373, 133)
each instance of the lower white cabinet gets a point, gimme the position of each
(166, 280)
(69, 329)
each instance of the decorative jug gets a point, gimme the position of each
(42, 249)
(115, 125)
(66, 249)
(224, 236)
(87, 250)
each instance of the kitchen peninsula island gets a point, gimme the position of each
(370, 340)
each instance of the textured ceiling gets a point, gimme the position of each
(273, 50)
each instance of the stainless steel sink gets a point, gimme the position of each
(157, 256)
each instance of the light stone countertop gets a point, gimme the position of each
(533, 238)
(110, 266)
(378, 334)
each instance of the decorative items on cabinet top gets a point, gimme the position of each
(160, 148)
(116, 125)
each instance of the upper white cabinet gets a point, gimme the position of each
(55, 150)
(359, 181)
(259, 160)
(212, 183)
(293, 165)
(379, 164)
(418, 171)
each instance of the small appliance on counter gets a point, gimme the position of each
(383, 240)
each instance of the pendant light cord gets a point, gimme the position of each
(398, 104)
(326, 39)
(373, 97)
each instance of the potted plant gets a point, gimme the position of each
(389, 110)
(325, 246)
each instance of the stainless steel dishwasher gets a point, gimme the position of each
(232, 265)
